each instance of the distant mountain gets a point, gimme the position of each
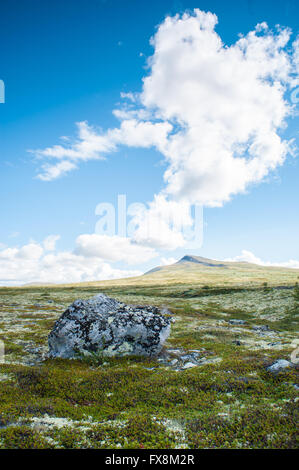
(191, 259)
(203, 261)
(205, 271)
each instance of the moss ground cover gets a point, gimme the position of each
(229, 400)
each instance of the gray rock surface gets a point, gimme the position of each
(102, 324)
(261, 328)
(180, 359)
(189, 365)
(237, 322)
(279, 365)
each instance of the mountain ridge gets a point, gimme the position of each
(200, 271)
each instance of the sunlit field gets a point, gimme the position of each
(226, 399)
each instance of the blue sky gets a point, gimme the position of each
(65, 62)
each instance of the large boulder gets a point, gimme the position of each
(102, 324)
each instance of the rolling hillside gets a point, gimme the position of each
(206, 272)
(212, 272)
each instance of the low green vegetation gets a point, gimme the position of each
(229, 400)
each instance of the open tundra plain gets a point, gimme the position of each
(209, 388)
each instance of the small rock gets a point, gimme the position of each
(261, 328)
(203, 359)
(279, 365)
(186, 357)
(188, 365)
(214, 360)
(175, 352)
(237, 322)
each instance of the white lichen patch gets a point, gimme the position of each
(6, 377)
(176, 428)
(52, 421)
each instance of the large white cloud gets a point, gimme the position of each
(113, 248)
(215, 112)
(229, 102)
(36, 262)
(32, 251)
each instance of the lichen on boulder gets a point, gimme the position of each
(106, 325)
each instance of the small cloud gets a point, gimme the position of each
(129, 96)
(249, 257)
(167, 261)
(49, 242)
(51, 172)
